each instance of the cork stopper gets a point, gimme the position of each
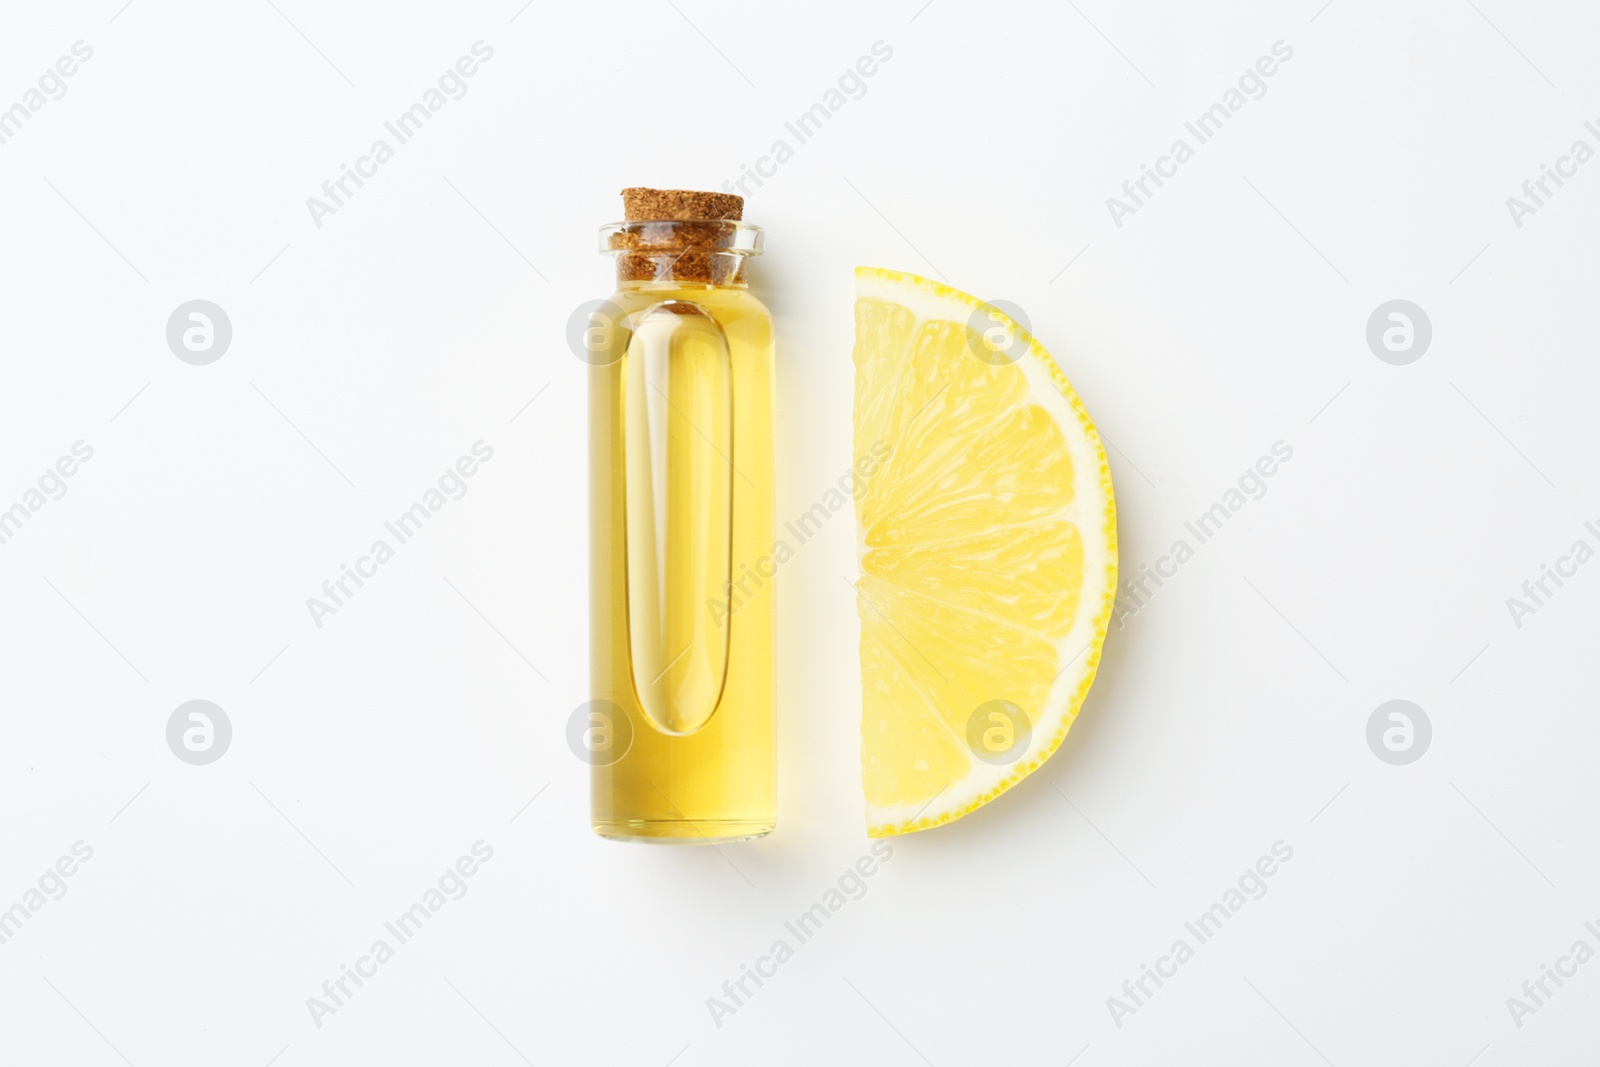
(679, 235)
(660, 205)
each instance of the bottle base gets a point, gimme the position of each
(683, 832)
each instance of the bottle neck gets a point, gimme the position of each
(698, 252)
(688, 266)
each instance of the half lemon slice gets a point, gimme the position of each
(988, 551)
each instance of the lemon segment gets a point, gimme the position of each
(987, 542)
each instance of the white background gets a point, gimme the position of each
(429, 313)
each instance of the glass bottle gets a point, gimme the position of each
(681, 727)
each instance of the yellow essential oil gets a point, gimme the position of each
(681, 529)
